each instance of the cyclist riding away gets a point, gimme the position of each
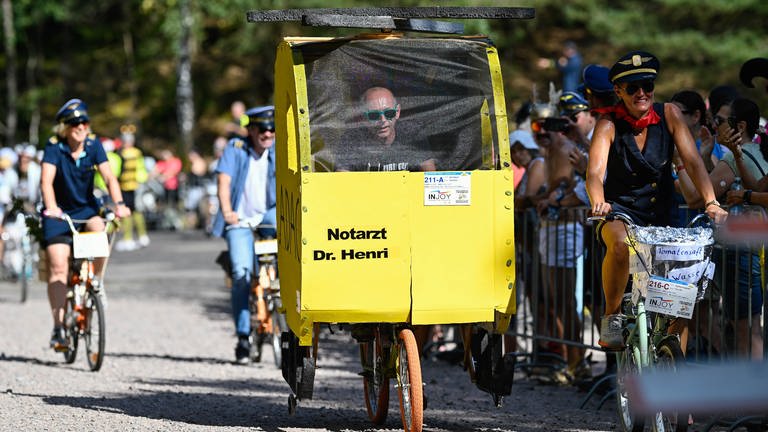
(247, 198)
(630, 171)
(70, 161)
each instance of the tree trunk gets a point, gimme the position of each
(11, 117)
(33, 61)
(184, 90)
(130, 65)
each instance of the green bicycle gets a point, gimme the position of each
(664, 292)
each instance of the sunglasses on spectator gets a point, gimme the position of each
(262, 128)
(632, 88)
(375, 115)
(730, 119)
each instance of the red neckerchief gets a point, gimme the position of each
(620, 112)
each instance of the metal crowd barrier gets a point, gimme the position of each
(560, 296)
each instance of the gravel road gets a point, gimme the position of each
(168, 367)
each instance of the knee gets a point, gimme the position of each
(618, 251)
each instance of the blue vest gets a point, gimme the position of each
(640, 183)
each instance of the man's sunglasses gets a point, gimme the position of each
(262, 128)
(632, 88)
(375, 115)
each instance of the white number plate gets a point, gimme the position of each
(670, 297)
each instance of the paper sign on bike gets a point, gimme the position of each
(452, 188)
(263, 247)
(670, 297)
(90, 245)
(680, 253)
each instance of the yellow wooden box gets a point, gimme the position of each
(359, 247)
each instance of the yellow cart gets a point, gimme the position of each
(389, 234)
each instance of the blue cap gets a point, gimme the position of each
(263, 115)
(635, 66)
(595, 79)
(571, 103)
(73, 110)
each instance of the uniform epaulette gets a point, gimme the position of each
(238, 143)
(53, 140)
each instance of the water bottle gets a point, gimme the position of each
(736, 209)
(553, 212)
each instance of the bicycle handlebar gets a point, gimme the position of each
(252, 227)
(612, 216)
(109, 217)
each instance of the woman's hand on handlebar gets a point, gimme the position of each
(716, 213)
(601, 209)
(121, 211)
(55, 213)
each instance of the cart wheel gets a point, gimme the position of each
(375, 381)
(409, 382)
(291, 404)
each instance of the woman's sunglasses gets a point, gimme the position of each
(76, 122)
(375, 115)
(730, 119)
(632, 88)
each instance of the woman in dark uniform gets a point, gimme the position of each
(630, 171)
(70, 161)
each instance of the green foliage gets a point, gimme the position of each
(69, 49)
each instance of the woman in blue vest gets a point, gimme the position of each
(630, 171)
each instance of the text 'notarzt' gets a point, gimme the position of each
(355, 234)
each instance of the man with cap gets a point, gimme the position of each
(575, 109)
(630, 171)
(247, 198)
(596, 87)
(70, 161)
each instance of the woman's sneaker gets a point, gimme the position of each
(612, 332)
(58, 340)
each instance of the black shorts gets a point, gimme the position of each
(129, 197)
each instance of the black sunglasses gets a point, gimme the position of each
(375, 115)
(262, 128)
(632, 88)
(77, 122)
(730, 119)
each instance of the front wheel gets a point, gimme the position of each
(95, 331)
(71, 331)
(626, 367)
(375, 381)
(670, 357)
(409, 382)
